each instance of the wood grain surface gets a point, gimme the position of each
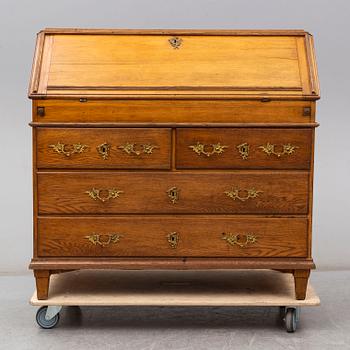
(254, 138)
(143, 61)
(170, 110)
(147, 236)
(202, 193)
(117, 158)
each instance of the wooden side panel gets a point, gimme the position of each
(148, 236)
(122, 148)
(243, 148)
(171, 111)
(202, 193)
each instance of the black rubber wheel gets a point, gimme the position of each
(43, 322)
(290, 320)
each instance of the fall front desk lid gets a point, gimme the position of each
(117, 63)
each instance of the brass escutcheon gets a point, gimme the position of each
(243, 150)
(175, 42)
(173, 194)
(112, 238)
(68, 150)
(235, 193)
(96, 194)
(200, 148)
(233, 239)
(103, 150)
(270, 149)
(173, 239)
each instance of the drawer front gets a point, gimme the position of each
(172, 236)
(243, 148)
(104, 148)
(260, 192)
(172, 111)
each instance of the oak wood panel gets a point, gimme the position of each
(245, 55)
(231, 158)
(147, 236)
(150, 61)
(64, 192)
(168, 31)
(171, 111)
(115, 138)
(176, 125)
(180, 263)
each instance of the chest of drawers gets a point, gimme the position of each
(173, 149)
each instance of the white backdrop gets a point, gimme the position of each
(328, 21)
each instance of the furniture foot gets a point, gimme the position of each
(301, 278)
(42, 278)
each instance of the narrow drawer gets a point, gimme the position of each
(172, 236)
(260, 192)
(243, 148)
(172, 111)
(120, 148)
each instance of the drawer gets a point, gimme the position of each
(122, 148)
(243, 148)
(172, 236)
(172, 111)
(260, 192)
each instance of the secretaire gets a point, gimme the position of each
(173, 149)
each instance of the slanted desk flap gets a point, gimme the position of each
(119, 63)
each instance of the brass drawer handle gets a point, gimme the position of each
(173, 239)
(270, 149)
(233, 239)
(68, 150)
(173, 194)
(96, 239)
(129, 148)
(96, 194)
(235, 193)
(200, 148)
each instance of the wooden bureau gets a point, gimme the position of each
(173, 149)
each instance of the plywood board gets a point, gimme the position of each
(175, 288)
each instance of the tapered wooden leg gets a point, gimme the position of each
(301, 278)
(42, 278)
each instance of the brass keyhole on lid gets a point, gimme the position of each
(175, 42)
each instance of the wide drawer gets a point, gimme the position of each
(248, 148)
(172, 236)
(104, 148)
(172, 111)
(261, 192)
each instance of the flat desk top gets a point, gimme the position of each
(175, 288)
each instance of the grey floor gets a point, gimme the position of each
(158, 328)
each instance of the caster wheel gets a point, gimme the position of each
(43, 322)
(291, 320)
(282, 312)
